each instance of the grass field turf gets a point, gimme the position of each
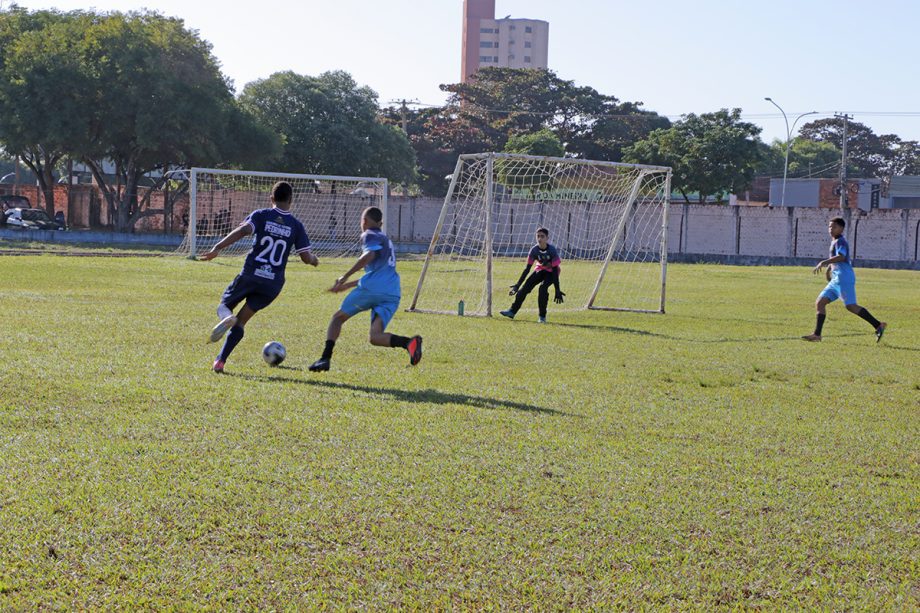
(703, 459)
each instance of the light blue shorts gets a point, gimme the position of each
(381, 305)
(840, 288)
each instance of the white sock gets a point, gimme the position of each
(223, 311)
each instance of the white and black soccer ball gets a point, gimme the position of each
(273, 353)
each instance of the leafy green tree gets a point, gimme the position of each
(504, 102)
(536, 176)
(137, 91)
(543, 142)
(154, 95)
(712, 154)
(808, 158)
(501, 103)
(438, 136)
(329, 125)
(37, 71)
(868, 154)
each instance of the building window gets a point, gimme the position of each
(528, 44)
(528, 29)
(526, 59)
(486, 31)
(495, 59)
(511, 42)
(486, 44)
(485, 58)
(511, 27)
(510, 57)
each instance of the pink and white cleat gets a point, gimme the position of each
(218, 366)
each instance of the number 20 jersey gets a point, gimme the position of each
(276, 234)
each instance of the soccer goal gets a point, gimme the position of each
(329, 207)
(608, 220)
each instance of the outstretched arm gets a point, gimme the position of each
(309, 258)
(517, 286)
(823, 263)
(341, 284)
(241, 232)
(560, 296)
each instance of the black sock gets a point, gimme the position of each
(820, 323)
(233, 339)
(327, 352)
(862, 312)
(399, 341)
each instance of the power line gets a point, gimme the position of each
(653, 114)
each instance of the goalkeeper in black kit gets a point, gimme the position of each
(547, 272)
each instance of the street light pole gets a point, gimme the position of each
(788, 141)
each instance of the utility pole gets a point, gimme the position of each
(404, 116)
(844, 197)
(404, 111)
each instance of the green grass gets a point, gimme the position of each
(704, 459)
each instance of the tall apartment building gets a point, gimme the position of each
(509, 43)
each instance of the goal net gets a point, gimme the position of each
(328, 206)
(607, 220)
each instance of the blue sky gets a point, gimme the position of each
(676, 56)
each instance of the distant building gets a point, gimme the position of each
(904, 192)
(864, 194)
(506, 42)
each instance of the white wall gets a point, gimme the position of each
(883, 234)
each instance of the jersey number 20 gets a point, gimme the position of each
(273, 252)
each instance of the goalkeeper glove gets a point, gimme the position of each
(513, 290)
(559, 297)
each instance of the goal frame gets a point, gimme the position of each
(644, 170)
(280, 176)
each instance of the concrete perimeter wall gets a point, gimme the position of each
(763, 235)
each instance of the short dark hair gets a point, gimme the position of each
(839, 221)
(543, 231)
(282, 192)
(374, 213)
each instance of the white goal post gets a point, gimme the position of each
(609, 222)
(329, 207)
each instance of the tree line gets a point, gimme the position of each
(143, 93)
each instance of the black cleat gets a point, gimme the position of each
(880, 331)
(319, 365)
(509, 313)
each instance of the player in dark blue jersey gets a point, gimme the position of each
(546, 273)
(841, 283)
(377, 291)
(277, 234)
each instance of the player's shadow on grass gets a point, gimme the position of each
(746, 339)
(427, 395)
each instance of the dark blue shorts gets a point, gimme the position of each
(257, 294)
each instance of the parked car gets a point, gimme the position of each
(9, 201)
(30, 219)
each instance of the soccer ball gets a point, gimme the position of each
(273, 353)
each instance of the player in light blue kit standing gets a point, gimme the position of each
(377, 291)
(841, 283)
(277, 234)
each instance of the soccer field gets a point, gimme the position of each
(702, 459)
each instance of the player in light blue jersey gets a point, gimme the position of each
(841, 283)
(377, 291)
(277, 234)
